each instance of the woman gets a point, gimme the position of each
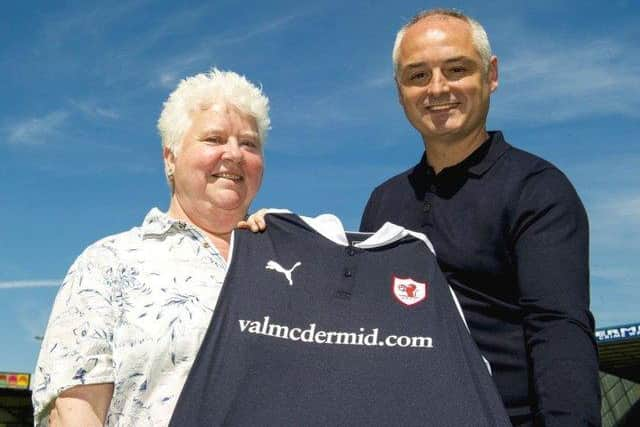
(130, 315)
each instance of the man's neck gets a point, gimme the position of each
(444, 152)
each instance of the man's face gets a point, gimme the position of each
(442, 84)
(219, 164)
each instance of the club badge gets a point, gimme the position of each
(408, 291)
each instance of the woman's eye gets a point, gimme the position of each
(249, 143)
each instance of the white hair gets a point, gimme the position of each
(478, 35)
(199, 92)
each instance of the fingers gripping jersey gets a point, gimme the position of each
(308, 331)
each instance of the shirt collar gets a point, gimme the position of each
(157, 223)
(330, 226)
(478, 162)
(487, 154)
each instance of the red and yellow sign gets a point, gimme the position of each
(17, 380)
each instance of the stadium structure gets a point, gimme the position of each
(15, 399)
(619, 348)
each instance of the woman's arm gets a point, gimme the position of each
(83, 405)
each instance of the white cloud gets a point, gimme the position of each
(94, 111)
(383, 79)
(167, 79)
(86, 20)
(614, 294)
(555, 81)
(170, 72)
(615, 238)
(628, 209)
(615, 220)
(624, 206)
(20, 284)
(182, 21)
(172, 69)
(610, 273)
(36, 130)
(273, 25)
(611, 193)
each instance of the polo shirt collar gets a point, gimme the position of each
(483, 158)
(478, 162)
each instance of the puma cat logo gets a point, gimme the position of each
(272, 265)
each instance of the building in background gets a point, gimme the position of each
(15, 399)
(619, 349)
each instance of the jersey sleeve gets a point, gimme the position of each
(76, 348)
(551, 246)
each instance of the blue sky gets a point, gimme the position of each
(83, 84)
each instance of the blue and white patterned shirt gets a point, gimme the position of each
(131, 311)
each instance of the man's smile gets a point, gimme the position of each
(442, 106)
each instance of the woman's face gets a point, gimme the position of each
(219, 164)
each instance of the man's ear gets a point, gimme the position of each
(492, 75)
(400, 100)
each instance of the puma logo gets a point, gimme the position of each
(272, 265)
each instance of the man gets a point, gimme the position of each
(509, 230)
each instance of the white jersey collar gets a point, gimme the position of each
(330, 226)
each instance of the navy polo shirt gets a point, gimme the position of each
(511, 237)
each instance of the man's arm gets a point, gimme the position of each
(83, 405)
(551, 245)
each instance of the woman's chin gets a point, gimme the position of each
(230, 205)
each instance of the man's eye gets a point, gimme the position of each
(214, 140)
(457, 70)
(417, 76)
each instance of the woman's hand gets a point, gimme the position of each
(255, 222)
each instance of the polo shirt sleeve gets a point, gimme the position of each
(551, 244)
(76, 348)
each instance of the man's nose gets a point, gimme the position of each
(438, 84)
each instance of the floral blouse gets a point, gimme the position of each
(132, 311)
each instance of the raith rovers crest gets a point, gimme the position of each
(408, 291)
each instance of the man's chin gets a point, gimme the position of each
(447, 131)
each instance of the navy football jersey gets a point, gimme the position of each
(315, 326)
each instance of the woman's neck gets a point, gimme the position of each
(217, 227)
